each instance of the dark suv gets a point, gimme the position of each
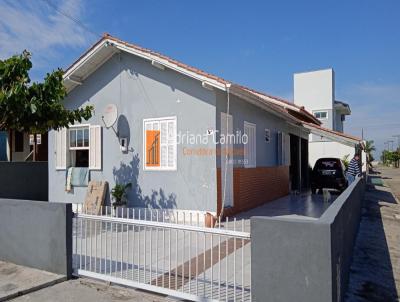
(328, 173)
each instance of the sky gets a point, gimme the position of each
(259, 44)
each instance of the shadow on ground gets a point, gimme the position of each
(372, 277)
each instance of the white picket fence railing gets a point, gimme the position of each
(186, 217)
(188, 261)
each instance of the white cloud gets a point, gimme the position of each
(37, 27)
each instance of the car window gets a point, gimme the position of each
(328, 164)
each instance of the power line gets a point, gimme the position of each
(73, 19)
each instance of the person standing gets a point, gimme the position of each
(353, 170)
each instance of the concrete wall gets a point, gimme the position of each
(36, 234)
(306, 259)
(141, 91)
(328, 149)
(315, 90)
(343, 216)
(333, 149)
(24, 180)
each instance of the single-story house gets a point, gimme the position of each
(184, 138)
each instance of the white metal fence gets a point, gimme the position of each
(187, 217)
(185, 260)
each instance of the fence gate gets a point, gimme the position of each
(184, 260)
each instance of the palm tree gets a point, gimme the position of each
(369, 148)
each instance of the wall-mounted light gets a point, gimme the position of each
(123, 144)
(157, 65)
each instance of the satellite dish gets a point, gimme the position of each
(110, 115)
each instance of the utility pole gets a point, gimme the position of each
(391, 141)
(398, 140)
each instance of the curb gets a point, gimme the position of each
(33, 289)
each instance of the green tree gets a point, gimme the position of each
(395, 158)
(346, 160)
(391, 157)
(34, 107)
(369, 148)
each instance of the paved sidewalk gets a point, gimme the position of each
(375, 271)
(16, 280)
(89, 291)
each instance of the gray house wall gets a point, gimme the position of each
(241, 111)
(269, 179)
(142, 91)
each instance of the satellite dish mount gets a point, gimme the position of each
(110, 116)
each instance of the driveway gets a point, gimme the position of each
(304, 204)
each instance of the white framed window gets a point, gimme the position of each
(250, 153)
(79, 146)
(160, 144)
(322, 115)
(79, 137)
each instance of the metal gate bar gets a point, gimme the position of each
(186, 261)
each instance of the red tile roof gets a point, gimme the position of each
(281, 102)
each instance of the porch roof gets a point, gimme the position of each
(339, 137)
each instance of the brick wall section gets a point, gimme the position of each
(253, 187)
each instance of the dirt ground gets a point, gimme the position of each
(375, 271)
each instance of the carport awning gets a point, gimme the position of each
(333, 135)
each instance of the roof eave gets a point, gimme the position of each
(349, 141)
(116, 45)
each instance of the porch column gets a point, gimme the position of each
(299, 163)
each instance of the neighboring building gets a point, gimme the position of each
(159, 98)
(315, 90)
(19, 149)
